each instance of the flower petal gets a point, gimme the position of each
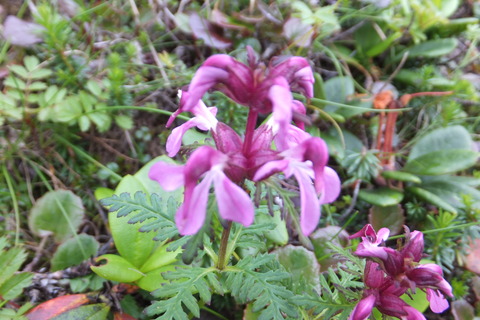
(332, 185)
(281, 97)
(310, 205)
(270, 168)
(169, 176)
(363, 309)
(234, 204)
(191, 215)
(438, 303)
(174, 140)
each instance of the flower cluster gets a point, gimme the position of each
(390, 273)
(275, 146)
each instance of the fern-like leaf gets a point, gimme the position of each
(270, 296)
(143, 207)
(179, 293)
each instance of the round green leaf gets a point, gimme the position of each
(73, 251)
(116, 268)
(325, 255)
(302, 265)
(58, 212)
(382, 197)
(451, 138)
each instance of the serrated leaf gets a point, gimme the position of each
(16, 83)
(31, 62)
(302, 265)
(124, 122)
(94, 88)
(40, 74)
(14, 286)
(36, 86)
(84, 123)
(19, 70)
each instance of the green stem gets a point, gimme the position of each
(223, 247)
(15, 205)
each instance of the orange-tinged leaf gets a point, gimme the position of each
(473, 256)
(57, 306)
(382, 99)
(122, 316)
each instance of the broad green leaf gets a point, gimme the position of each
(454, 137)
(338, 89)
(302, 266)
(391, 217)
(382, 197)
(384, 45)
(161, 257)
(431, 198)
(74, 251)
(102, 193)
(58, 212)
(452, 189)
(116, 268)
(154, 279)
(431, 49)
(335, 143)
(442, 162)
(133, 245)
(401, 176)
(89, 312)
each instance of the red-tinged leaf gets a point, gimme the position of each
(122, 316)
(205, 30)
(473, 256)
(57, 306)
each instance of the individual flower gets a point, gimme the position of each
(318, 183)
(204, 120)
(382, 293)
(402, 266)
(370, 245)
(263, 90)
(206, 164)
